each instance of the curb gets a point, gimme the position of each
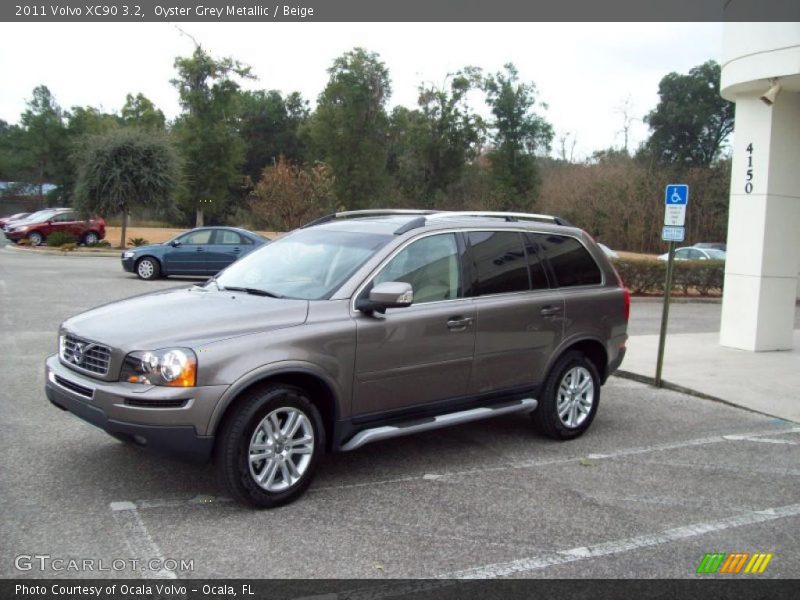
(57, 252)
(678, 300)
(673, 387)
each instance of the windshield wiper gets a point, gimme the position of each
(253, 291)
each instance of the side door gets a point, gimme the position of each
(420, 354)
(520, 318)
(64, 222)
(188, 256)
(578, 278)
(226, 247)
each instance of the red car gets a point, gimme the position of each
(15, 217)
(48, 222)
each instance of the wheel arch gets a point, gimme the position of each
(592, 348)
(321, 390)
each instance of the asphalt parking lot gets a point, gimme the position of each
(660, 479)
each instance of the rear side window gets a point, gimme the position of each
(499, 262)
(225, 236)
(571, 262)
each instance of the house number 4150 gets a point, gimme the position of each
(748, 186)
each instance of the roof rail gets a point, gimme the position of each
(508, 216)
(356, 214)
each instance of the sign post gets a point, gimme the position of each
(676, 197)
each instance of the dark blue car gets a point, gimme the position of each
(201, 252)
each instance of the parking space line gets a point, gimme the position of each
(137, 538)
(624, 545)
(561, 557)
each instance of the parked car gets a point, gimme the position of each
(201, 251)
(34, 216)
(14, 217)
(693, 253)
(359, 327)
(38, 227)
(712, 245)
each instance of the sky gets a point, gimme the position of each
(584, 72)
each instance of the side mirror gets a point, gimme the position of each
(175, 243)
(389, 294)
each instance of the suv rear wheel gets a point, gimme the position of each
(569, 399)
(91, 238)
(269, 448)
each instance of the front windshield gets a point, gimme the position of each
(42, 215)
(308, 264)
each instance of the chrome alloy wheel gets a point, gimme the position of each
(575, 397)
(280, 449)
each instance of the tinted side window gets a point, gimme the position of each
(430, 265)
(571, 262)
(499, 262)
(535, 265)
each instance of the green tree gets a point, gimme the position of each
(430, 148)
(123, 169)
(270, 126)
(349, 128)
(207, 132)
(518, 133)
(44, 144)
(139, 111)
(692, 121)
(11, 151)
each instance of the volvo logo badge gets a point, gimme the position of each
(77, 353)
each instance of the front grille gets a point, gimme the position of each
(85, 355)
(155, 403)
(74, 387)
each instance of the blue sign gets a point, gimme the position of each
(676, 194)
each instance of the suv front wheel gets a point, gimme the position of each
(269, 448)
(569, 399)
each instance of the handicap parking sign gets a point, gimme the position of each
(676, 197)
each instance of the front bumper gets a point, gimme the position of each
(129, 264)
(138, 415)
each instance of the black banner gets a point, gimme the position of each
(739, 587)
(405, 11)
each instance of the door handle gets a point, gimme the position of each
(456, 323)
(237, 249)
(199, 250)
(549, 311)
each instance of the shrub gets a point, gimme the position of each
(59, 238)
(100, 244)
(138, 241)
(646, 276)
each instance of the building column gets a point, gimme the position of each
(761, 271)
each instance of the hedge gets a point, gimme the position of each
(697, 277)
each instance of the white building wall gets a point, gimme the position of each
(761, 274)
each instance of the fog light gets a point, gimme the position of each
(140, 439)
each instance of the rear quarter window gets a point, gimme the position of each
(571, 262)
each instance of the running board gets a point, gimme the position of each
(415, 426)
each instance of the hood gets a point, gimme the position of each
(184, 317)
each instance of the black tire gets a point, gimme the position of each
(35, 238)
(572, 366)
(148, 268)
(90, 238)
(232, 449)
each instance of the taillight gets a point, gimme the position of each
(626, 295)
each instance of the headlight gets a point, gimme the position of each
(175, 367)
(128, 254)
